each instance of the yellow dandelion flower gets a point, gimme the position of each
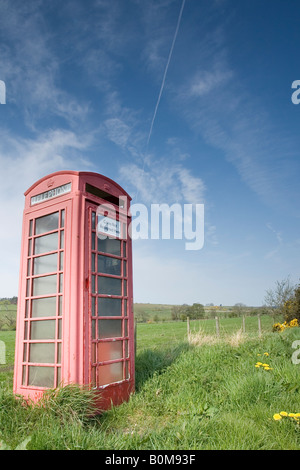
(266, 354)
(265, 365)
(268, 368)
(297, 415)
(292, 415)
(283, 413)
(259, 364)
(277, 417)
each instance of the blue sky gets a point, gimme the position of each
(179, 102)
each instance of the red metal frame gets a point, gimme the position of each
(78, 350)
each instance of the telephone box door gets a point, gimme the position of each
(110, 301)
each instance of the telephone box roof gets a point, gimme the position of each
(82, 176)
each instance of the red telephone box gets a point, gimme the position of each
(75, 307)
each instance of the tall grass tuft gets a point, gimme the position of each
(201, 338)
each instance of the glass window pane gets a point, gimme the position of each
(25, 353)
(125, 269)
(110, 245)
(27, 309)
(58, 376)
(110, 350)
(30, 228)
(46, 243)
(41, 376)
(58, 353)
(93, 376)
(24, 375)
(29, 246)
(93, 220)
(60, 305)
(28, 293)
(93, 284)
(61, 261)
(93, 240)
(46, 223)
(29, 267)
(62, 220)
(93, 329)
(42, 329)
(45, 264)
(109, 286)
(109, 329)
(44, 307)
(59, 329)
(45, 285)
(125, 288)
(110, 373)
(61, 283)
(127, 375)
(62, 239)
(109, 307)
(108, 265)
(25, 330)
(94, 352)
(43, 353)
(93, 306)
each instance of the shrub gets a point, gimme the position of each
(291, 308)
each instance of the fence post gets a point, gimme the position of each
(217, 326)
(244, 324)
(2, 353)
(188, 326)
(259, 325)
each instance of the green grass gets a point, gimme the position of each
(155, 335)
(187, 397)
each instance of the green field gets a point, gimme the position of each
(187, 397)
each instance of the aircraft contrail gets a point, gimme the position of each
(166, 71)
(162, 86)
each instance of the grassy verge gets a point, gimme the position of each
(187, 397)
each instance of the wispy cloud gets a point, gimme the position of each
(31, 68)
(23, 161)
(160, 182)
(228, 117)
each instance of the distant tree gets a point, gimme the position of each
(276, 298)
(237, 310)
(195, 311)
(178, 311)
